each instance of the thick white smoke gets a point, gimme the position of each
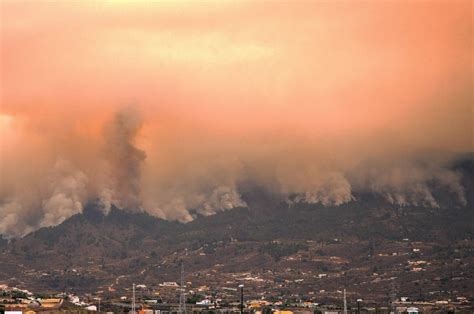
(63, 193)
(13, 219)
(184, 208)
(67, 188)
(328, 189)
(221, 198)
(407, 182)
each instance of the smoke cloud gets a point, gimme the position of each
(123, 161)
(61, 194)
(12, 222)
(409, 181)
(68, 192)
(317, 102)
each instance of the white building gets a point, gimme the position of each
(412, 310)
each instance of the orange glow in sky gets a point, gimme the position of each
(231, 82)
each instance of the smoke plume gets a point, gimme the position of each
(123, 161)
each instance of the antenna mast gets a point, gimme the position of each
(393, 297)
(133, 299)
(345, 302)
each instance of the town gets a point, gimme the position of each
(171, 298)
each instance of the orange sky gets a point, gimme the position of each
(224, 84)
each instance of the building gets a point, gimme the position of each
(412, 310)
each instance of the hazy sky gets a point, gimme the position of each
(168, 105)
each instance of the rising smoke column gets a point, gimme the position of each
(123, 161)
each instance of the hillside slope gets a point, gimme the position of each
(269, 239)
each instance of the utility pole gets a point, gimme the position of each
(182, 301)
(241, 299)
(133, 299)
(393, 297)
(98, 311)
(345, 302)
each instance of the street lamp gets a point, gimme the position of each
(358, 305)
(241, 299)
